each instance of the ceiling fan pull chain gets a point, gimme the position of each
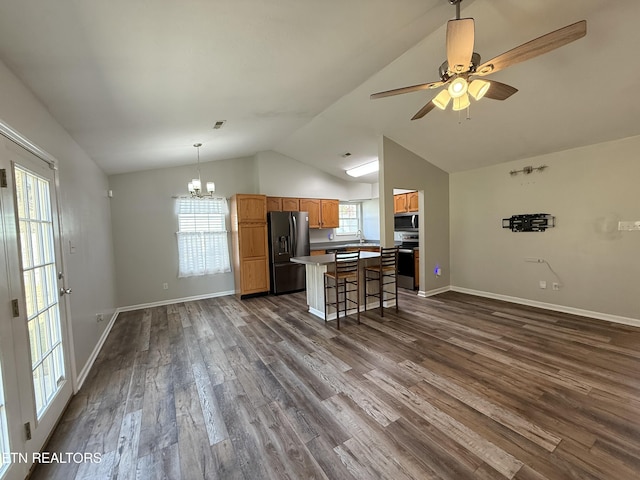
(469, 112)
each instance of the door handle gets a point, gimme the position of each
(65, 291)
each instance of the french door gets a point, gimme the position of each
(36, 383)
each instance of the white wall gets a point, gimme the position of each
(401, 168)
(282, 176)
(145, 226)
(86, 217)
(371, 219)
(588, 190)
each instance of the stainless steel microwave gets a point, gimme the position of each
(405, 222)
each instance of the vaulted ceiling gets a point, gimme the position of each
(137, 82)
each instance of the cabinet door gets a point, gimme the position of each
(329, 210)
(253, 240)
(255, 276)
(254, 260)
(400, 203)
(291, 204)
(251, 208)
(311, 205)
(412, 201)
(274, 204)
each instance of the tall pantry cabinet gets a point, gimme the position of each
(250, 244)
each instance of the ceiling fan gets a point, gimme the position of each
(462, 68)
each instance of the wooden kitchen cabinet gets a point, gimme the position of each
(291, 204)
(412, 201)
(329, 213)
(400, 203)
(323, 213)
(250, 244)
(249, 208)
(274, 204)
(311, 205)
(405, 202)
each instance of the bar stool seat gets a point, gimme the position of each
(344, 279)
(385, 272)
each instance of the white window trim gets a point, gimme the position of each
(205, 249)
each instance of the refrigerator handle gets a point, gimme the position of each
(295, 234)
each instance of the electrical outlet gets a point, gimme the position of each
(99, 317)
(555, 286)
(165, 286)
(543, 284)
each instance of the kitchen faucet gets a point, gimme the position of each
(359, 235)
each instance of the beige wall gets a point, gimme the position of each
(145, 226)
(588, 190)
(282, 176)
(86, 217)
(401, 168)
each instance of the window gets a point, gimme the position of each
(349, 217)
(202, 237)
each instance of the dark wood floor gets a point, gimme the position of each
(453, 387)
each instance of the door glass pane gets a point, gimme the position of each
(5, 448)
(40, 285)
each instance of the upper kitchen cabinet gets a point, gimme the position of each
(274, 204)
(412, 201)
(405, 202)
(311, 205)
(250, 208)
(400, 203)
(323, 213)
(329, 213)
(291, 205)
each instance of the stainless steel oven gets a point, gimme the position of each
(406, 260)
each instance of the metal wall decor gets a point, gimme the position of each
(529, 222)
(527, 170)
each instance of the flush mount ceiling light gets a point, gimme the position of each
(195, 185)
(363, 169)
(460, 71)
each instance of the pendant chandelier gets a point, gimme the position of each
(195, 185)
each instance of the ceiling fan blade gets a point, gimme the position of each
(535, 47)
(400, 91)
(460, 41)
(423, 111)
(500, 91)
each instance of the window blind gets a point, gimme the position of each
(203, 247)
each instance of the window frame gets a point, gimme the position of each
(358, 218)
(202, 240)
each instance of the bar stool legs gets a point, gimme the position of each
(344, 279)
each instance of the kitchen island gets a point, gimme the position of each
(317, 265)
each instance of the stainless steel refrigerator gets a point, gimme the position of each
(288, 237)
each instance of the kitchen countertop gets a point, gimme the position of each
(328, 258)
(347, 244)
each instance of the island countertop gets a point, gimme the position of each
(328, 258)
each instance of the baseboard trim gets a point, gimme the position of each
(431, 293)
(82, 376)
(175, 300)
(634, 322)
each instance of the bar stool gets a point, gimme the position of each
(385, 272)
(343, 278)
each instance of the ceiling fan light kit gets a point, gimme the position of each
(462, 66)
(442, 99)
(478, 88)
